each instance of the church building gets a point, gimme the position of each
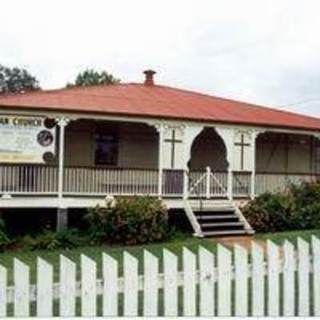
(201, 154)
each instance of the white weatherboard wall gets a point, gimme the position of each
(137, 143)
(138, 293)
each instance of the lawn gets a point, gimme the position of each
(280, 237)
(95, 252)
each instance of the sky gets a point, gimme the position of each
(265, 52)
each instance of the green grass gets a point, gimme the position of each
(280, 237)
(95, 252)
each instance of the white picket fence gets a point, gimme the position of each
(281, 281)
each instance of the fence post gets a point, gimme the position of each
(208, 176)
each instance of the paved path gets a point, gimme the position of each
(244, 241)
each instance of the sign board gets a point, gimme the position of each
(25, 139)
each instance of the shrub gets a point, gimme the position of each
(130, 221)
(50, 240)
(4, 238)
(269, 212)
(71, 238)
(44, 241)
(295, 209)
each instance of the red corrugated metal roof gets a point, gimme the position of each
(157, 101)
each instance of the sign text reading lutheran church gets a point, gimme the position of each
(25, 139)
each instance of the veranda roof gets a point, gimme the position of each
(156, 101)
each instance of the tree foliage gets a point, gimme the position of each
(16, 80)
(92, 77)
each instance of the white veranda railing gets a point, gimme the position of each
(274, 182)
(91, 181)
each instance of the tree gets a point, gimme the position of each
(91, 77)
(16, 80)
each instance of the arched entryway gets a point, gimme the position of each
(208, 150)
(208, 165)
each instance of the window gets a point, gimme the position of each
(106, 148)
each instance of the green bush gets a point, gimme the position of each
(297, 208)
(50, 240)
(4, 238)
(130, 221)
(44, 241)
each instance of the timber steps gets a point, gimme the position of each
(222, 218)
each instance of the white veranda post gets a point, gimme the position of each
(253, 161)
(160, 159)
(62, 212)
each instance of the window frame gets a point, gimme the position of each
(99, 133)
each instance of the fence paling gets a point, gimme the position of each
(288, 279)
(67, 287)
(150, 289)
(110, 286)
(303, 276)
(262, 274)
(130, 285)
(88, 287)
(258, 272)
(3, 291)
(206, 281)
(241, 281)
(316, 275)
(44, 289)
